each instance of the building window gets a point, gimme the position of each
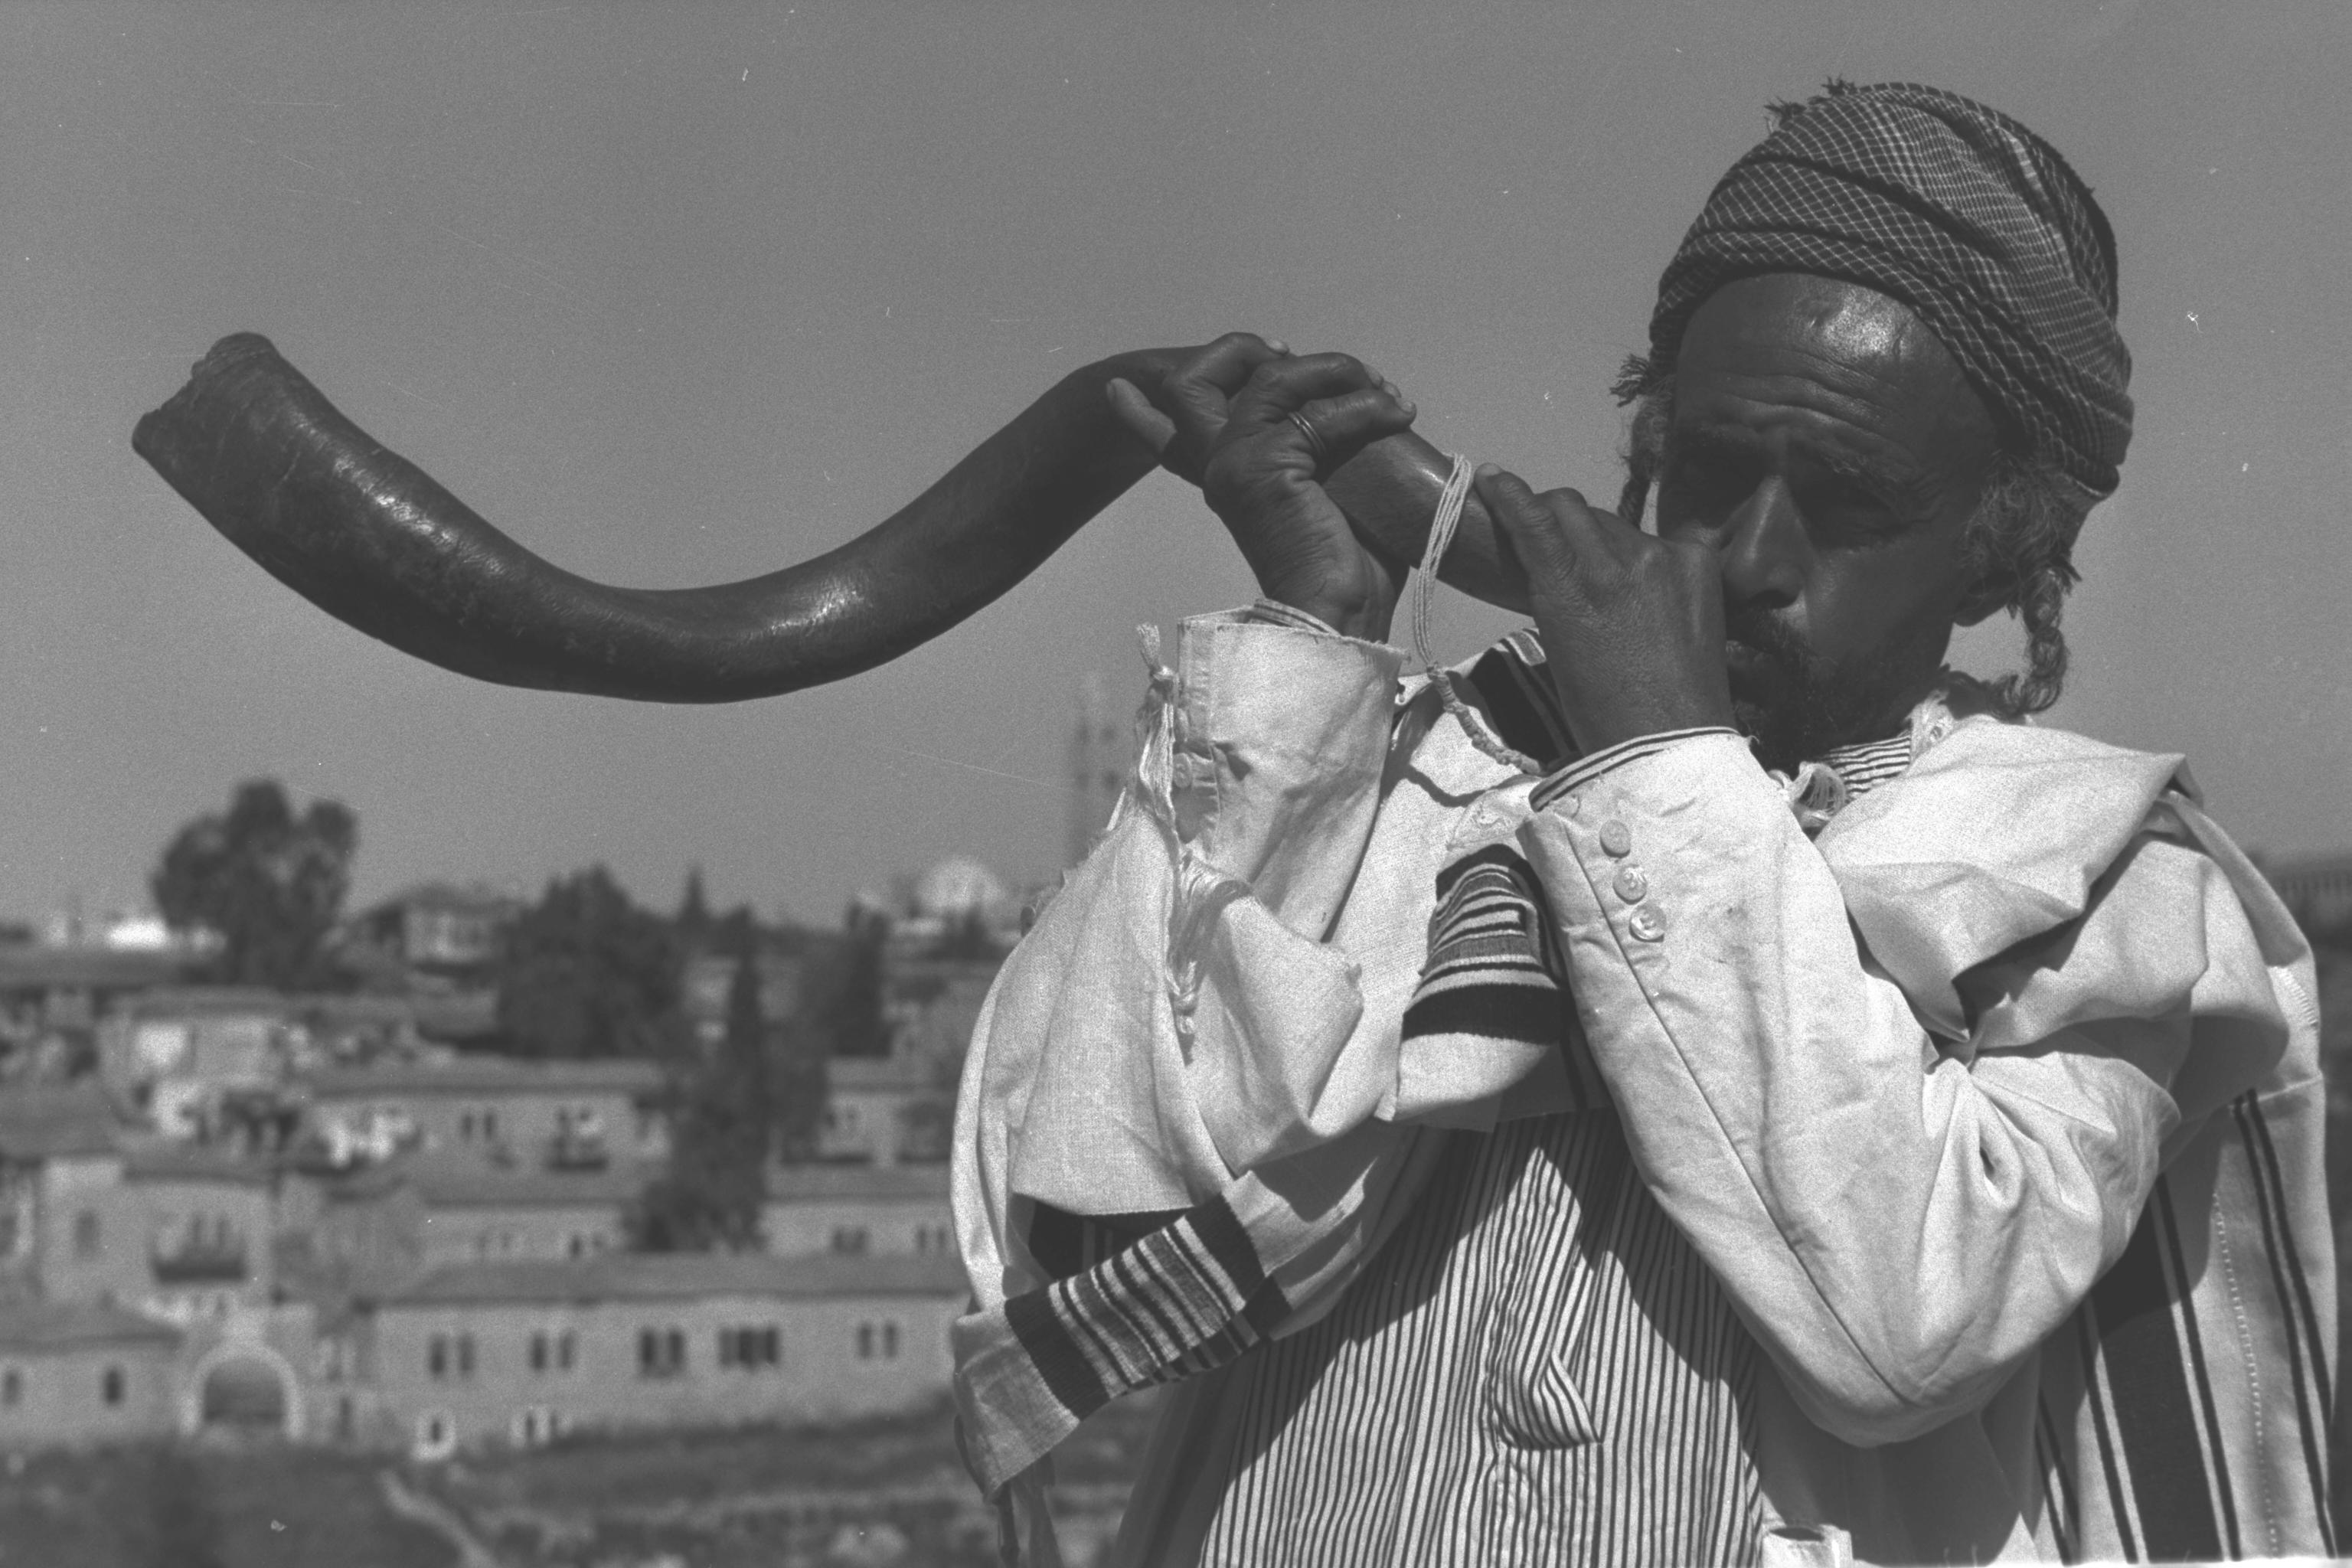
(849, 1238)
(552, 1352)
(447, 1355)
(661, 1353)
(533, 1426)
(435, 1435)
(877, 1340)
(864, 1342)
(11, 1387)
(751, 1349)
(85, 1234)
(934, 1238)
(891, 1341)
(110, 1386)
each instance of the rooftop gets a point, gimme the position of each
(2290, 874)
(470, 896)
(210, 1001)
(59, 1326)
(41, 1122)
(441, 1187)
(675, 1276)
(172, 1160)
(92, 968)
(484, 1074)
(882, 1073)
(805, 1183)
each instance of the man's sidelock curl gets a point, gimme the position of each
(1701, 1082)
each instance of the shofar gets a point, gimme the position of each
(370, 538)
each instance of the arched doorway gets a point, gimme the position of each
(244, 1391)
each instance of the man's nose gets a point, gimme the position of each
(1764, 549)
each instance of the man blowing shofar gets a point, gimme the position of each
(1704, 1068)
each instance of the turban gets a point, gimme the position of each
(1962, 214)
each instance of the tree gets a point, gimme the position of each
(710, 1195)
(693, 917)
(268, 883)
(586, 973)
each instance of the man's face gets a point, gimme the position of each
(1825, 442)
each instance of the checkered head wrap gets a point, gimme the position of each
(1963, 215)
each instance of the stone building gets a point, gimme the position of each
(516, 1353)
(445, 1295)
(438, 930)
(473, 1216)
(1102, 748)
(2317, 887)
(74, 1373)
(491, 1112)
(864, 1210)
(884, 1110)
(177, 1054)
(90, 1214)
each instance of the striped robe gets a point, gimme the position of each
(1538, 1367)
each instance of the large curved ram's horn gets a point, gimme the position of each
(371, 539)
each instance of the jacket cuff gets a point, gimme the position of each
(1584, 770)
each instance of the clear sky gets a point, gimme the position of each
(678, 294)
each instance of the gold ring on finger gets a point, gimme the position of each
(1314, 437)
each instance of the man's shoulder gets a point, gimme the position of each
(2005, 789)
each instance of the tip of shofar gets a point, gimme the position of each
(225, 357)
(225, 354)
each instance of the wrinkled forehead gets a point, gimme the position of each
(1839, 325)
(1837, 361)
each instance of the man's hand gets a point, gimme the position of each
(1632, 624)
(1258, 428)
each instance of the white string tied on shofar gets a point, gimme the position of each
(1442, 528)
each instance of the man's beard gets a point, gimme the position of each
(1795, 706)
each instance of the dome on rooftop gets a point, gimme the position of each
(960, 886)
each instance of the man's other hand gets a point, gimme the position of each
(1632, 624)
(1259, 428)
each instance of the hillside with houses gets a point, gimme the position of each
(371, 1221)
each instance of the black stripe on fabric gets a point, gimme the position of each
(2154, 1415)
(1535, 1015)
(1069, 1375)
(1499, 857)
(1267, 1307)
(2171, 1238)
(1226, 1243)
(2118, 1503)
(2057, 1486)
(2256, 1134)
(2275, 1189)
(1057, 1240)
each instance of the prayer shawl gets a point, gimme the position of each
(2153, 1425)
(1963, 215)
